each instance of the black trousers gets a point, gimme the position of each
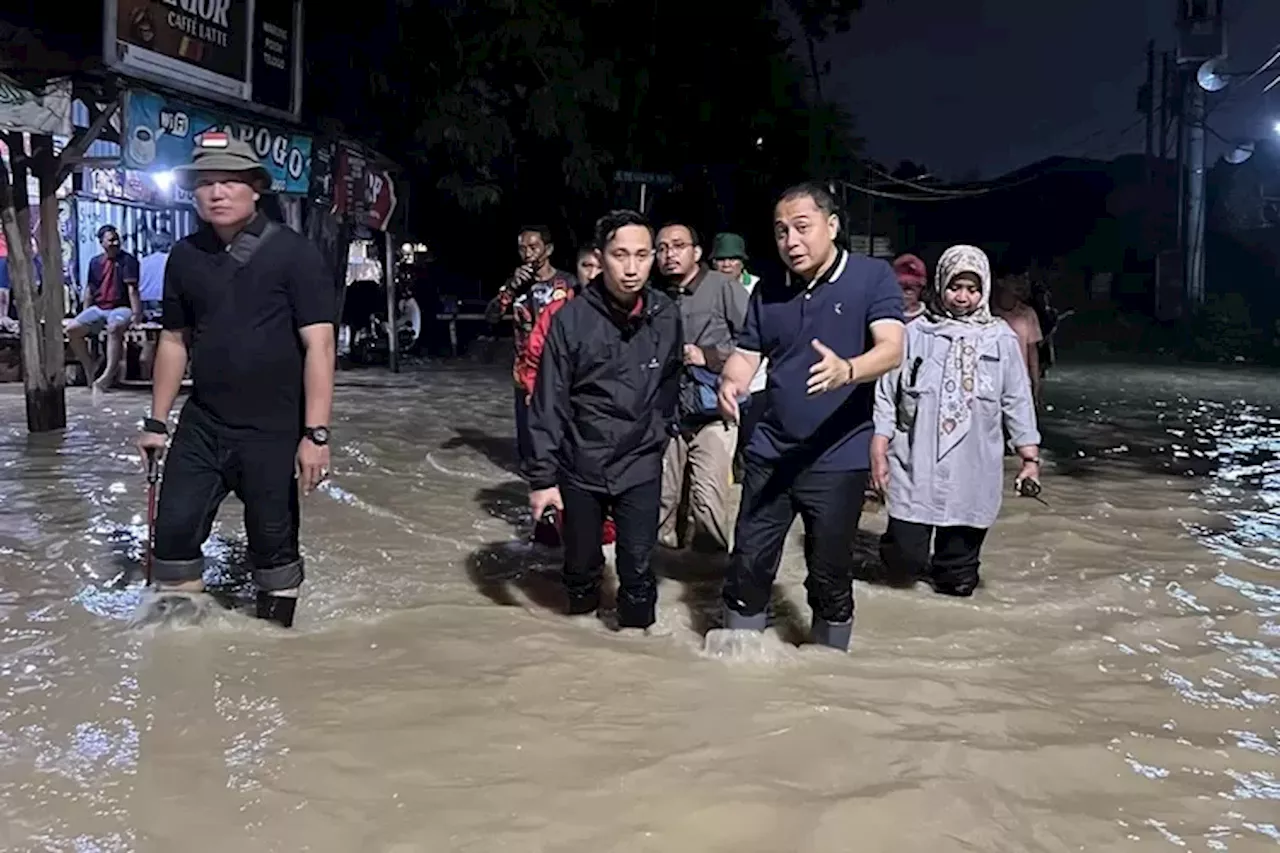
(830, 505)
(635, 515)
(953, 567)
(750, 416)
(524, 441)
(205, 464)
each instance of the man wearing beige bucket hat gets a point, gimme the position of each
(250, 303)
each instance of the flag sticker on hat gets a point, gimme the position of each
(213, 139)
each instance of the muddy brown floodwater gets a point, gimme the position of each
(1112, 688)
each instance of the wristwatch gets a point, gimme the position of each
(155, 426)
(319, 435)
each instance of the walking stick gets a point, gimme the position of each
(153, 477)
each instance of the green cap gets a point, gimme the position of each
(728, 246)
(217, 152)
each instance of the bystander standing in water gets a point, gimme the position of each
(602, 408)
(830, 326)
(940, 421)
(912, 277)
(588, 266)
(1012, 295)
(729, 254)
(698, 468)
(533, 286)
(249, 303)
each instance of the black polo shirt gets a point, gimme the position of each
(822, 432)
(246, 353)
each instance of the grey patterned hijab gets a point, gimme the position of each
(960, 371)
(954, 261)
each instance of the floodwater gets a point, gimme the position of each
(1114, 687)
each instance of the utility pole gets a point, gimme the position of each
(1149, 103)
(1166, 85)
(1195, 195)
(1200, 39)
(1179, 106)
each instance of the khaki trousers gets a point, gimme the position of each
(696, 472)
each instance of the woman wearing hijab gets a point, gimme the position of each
(912, 277)
(940, 421)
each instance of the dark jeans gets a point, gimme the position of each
(205, 464)
(635, 514)
(750, 416)
(953, 567)
(524, 443)
(829, 503)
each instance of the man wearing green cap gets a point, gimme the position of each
(729, 254)
(250, 304)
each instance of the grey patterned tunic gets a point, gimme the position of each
(963, 486)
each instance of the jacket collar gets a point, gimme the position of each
(598, 296)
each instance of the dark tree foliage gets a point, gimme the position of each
(507, 110)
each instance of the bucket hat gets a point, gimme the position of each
(728, 246)
(217, 152)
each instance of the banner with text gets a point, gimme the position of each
(235, 50)
(160, 134)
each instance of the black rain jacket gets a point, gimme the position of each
(606, 395)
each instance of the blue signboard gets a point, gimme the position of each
(160, 134)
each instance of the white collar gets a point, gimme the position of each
(836, 270)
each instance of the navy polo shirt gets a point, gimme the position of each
(822, 432)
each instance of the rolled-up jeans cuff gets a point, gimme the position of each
(274, 578)
(177, 571)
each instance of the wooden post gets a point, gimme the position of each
(40, 314)
(53, 303)
(389, 272)
(46, 407)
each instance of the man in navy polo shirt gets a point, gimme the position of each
(830, 327)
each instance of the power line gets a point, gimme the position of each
(937, 194)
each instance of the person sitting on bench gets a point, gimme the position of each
(111, 303)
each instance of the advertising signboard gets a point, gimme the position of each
(160, 133)
(362, 192)
(245, 52)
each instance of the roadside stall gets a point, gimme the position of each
(354, 211)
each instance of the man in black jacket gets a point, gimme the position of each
(602, 412)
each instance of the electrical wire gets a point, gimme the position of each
(1237, 90)
(939, 194)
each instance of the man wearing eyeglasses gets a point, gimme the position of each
(698, 465)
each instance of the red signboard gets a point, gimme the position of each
(362, 192)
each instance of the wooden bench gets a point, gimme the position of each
(135, 337)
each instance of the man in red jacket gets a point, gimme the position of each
(533, 286)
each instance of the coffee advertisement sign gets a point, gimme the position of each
(240, 51)
(160, 133)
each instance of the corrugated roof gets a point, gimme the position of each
(99, 147)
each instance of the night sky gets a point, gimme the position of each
(1054, 72)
